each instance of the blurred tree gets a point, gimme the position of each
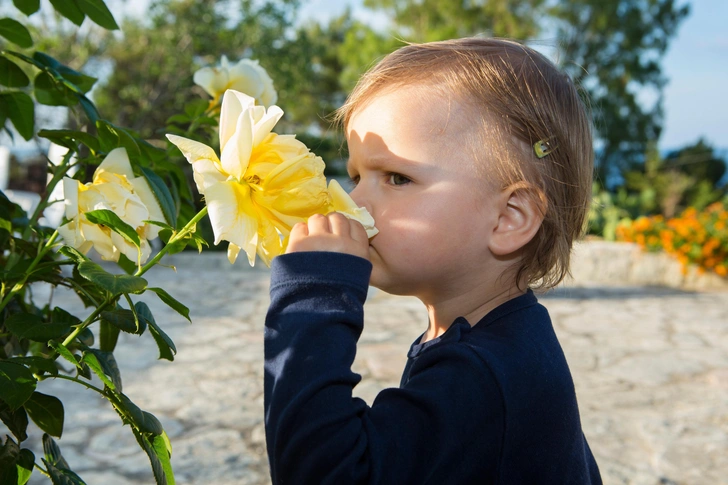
(430, 20)
(613, 48)
(153, 62)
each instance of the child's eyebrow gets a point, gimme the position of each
(379, 161)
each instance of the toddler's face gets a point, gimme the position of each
(415, 173)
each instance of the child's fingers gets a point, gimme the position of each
(299, 230)
(318, 224)
(357, 231)
(339, 224)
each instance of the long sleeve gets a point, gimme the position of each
(317, 433)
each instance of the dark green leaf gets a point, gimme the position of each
(9, 454)
(112, 136)
(50, 92)
(63, 351)
(162, 194)
(103, 364)
(172, 302)
(15, 32)
(124, 320)
(47, 412)
(88, 107)
(19, 108)
(61, 316)
(164, 343)
(63, 476)
(112, 221)
(26, 463)
(70, 10)
(32, 327)
(37, 364)
(127, 264)
(115, 284)
(144, 421)
(98, 12)
(16, 421)
(86, 337)
(108, 336)
(11, 75)
(28, 7)
(16, 384)
(77, 82)
(70, 138)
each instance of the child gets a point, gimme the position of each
(475, 158)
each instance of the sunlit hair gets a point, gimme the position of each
(517, 97)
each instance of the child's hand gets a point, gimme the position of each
(333, 232)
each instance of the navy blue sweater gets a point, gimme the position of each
(492, 403)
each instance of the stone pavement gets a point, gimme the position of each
(650, 367)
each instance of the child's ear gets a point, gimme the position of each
(521, 211)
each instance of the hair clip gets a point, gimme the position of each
(543, 147)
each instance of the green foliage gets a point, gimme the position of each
(37, 340)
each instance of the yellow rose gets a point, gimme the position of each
(261, 185)
(114, 187)
(247, 76)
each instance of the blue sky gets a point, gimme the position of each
(696, 99)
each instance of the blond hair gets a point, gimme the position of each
(519, 98)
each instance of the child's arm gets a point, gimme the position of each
(317, 433)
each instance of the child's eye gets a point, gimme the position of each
(398, 179)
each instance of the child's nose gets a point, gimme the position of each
(359, 197)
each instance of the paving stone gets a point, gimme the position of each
(650, 366)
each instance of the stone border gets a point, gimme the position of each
(620, 264)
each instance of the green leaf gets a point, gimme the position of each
(16, 384)
(15, 32)
(112, 221)
(160, 478)
(196, 107)
(50, 92)
(163, 195)
(28, 7)
(108, 336)
(112, 136)
(73, 253)
(19, 108)
(99, 13)
(70, 10)
(63, 351)
(124, 320)
(167, 350)
(172, 302)
(37, 364)
(103, 364)
(70, 139)
(15, 420)
(11, 75)
(25, 464)
(163, 450)
(53, 453)
(115, 284)
(47, 412)
(32, 327)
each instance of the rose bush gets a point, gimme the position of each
(124, 193)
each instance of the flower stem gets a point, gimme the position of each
(77, 381)
(189, 227)
(20, 284)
